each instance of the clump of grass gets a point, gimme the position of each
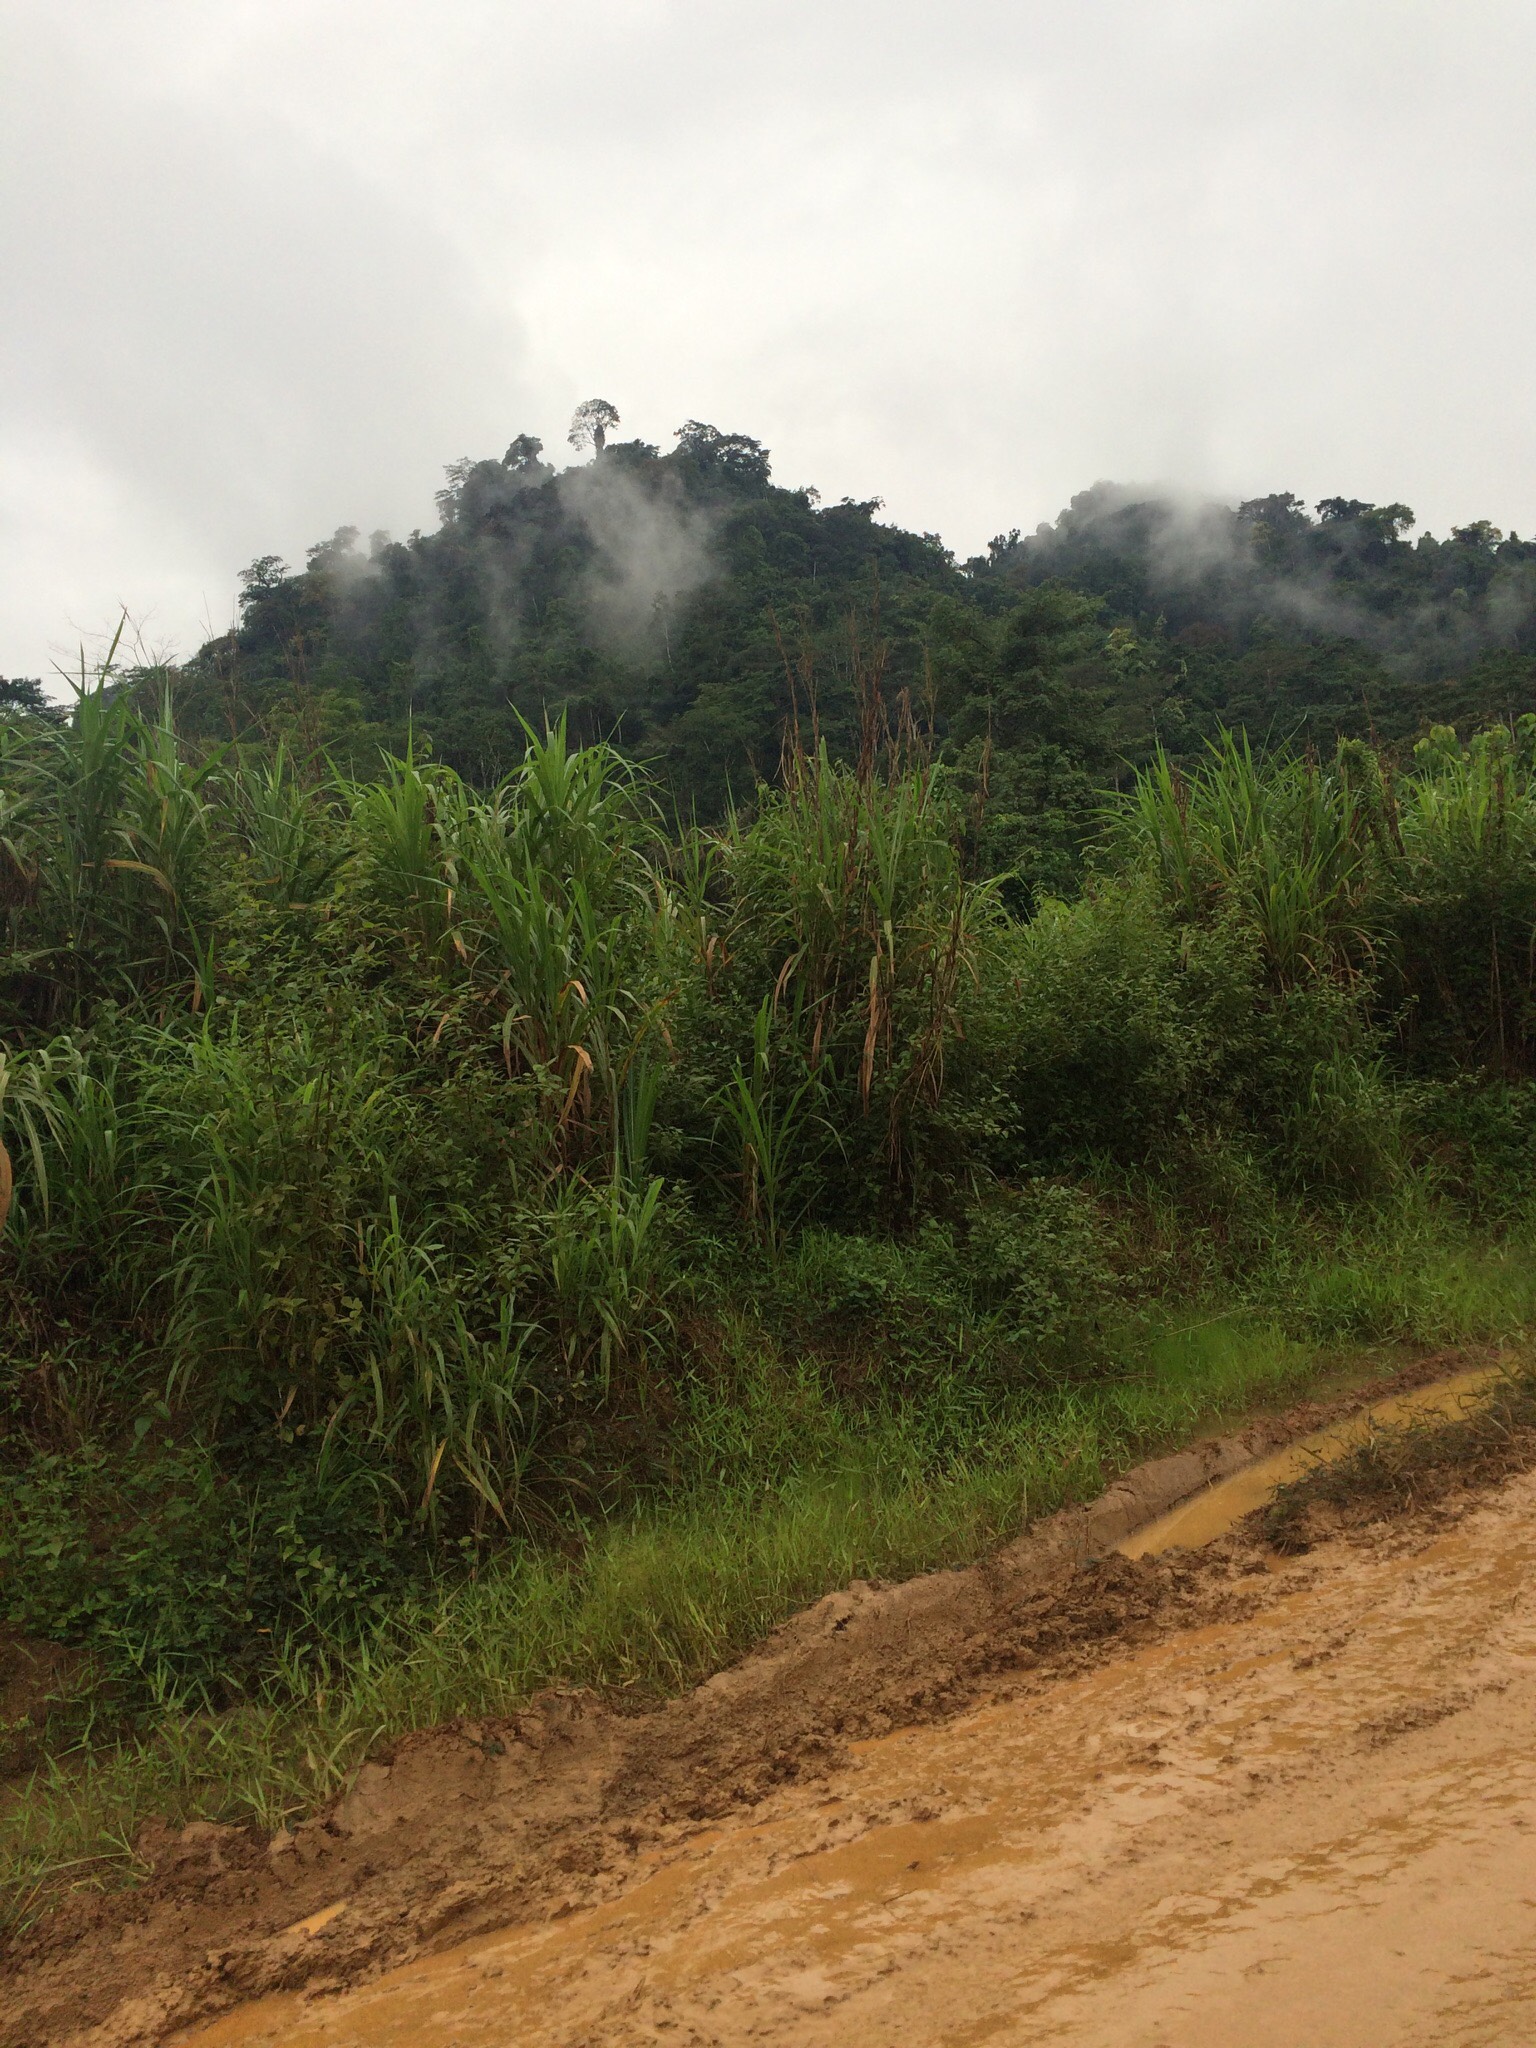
(1412, 1268)
(1401, 1468)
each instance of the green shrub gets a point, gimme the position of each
(407, 1171)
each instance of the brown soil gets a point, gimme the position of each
(1125, 1744)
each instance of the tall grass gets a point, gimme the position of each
(1284, 843)
(851, 929)
(1425, 881)
(105, 856)
(1465, 907)
(295, 853)
(408, 1173)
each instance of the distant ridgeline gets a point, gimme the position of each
(688, 607)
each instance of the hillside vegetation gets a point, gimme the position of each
(685, 608)
(473, 1229)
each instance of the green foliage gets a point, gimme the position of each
(403, 828)
(182, 1579)
(564, 911)
(1459, 842)
(851, 950)
(768, 1126)
(105, 886)
(412, 1170)
(467, 1237)
(689, 610)
(293, 850)
(1285, 846)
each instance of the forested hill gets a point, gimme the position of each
(687, 605)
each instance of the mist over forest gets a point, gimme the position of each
(691, 609)
(749, 1247)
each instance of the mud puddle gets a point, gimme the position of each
(1311, 1819)
(1218, 1508)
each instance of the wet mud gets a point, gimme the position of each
(1074, 1796)
(1219, 1507)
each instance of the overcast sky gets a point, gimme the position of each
(268, 265)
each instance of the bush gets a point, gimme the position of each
(403, 1169)
(183, 1582)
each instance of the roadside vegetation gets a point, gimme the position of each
(1418, 1464)
(467, 1239)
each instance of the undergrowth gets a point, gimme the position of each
(471, 1240)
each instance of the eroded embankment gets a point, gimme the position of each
(855, 1889)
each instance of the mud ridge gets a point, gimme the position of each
(479, 1825)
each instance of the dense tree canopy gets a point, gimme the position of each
(692, 610)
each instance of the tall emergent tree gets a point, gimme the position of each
(590, 423)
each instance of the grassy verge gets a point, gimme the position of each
(683, 1584)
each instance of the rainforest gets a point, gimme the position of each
(578, 1081)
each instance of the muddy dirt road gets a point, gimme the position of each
(1313, 1822)
(1216, 1800)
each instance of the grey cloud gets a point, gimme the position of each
(271, 263)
